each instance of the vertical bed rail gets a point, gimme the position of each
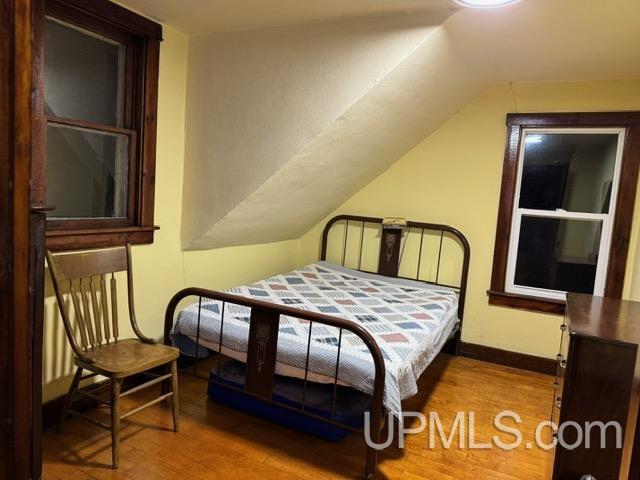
(262, 353)
(306, 368)
(220, 339)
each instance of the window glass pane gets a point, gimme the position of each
(568, 171)
(86, 172)
(83, 75)
(558, 254)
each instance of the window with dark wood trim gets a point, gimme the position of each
(96, 78)
(529, 283)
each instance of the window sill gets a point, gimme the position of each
(525, 302)
(61, 240)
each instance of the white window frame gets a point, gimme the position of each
(606, 218)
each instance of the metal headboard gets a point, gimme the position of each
(390, 254)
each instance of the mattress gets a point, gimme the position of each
(409, 320)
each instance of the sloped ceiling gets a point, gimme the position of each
(274, 102)
(284, 124)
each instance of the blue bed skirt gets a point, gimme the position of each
(350, 404)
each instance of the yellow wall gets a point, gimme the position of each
(453, 177)
(163, 268)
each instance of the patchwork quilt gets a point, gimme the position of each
(409, 320)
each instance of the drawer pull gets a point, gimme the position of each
(556, 385)
(562, 361)
(563, 327)
(558, 401)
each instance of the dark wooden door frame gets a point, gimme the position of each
(20, 249)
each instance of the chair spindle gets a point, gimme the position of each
(114, 307)
(86, 313)
(105, 308)
(80, 320)
(96, 311)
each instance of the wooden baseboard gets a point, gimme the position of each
(507, 358)
(51, 409)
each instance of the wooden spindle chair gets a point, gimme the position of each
(99, 349)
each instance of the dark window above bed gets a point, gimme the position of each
(566, 207)
(97, 122)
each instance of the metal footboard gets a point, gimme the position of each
(262, 351)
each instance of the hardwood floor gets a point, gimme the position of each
(216, 442)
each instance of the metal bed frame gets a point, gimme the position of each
(265, 316)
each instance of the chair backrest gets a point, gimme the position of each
(86, 275)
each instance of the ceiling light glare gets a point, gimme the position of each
(485, 3)
(533, 139)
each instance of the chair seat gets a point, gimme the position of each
(127, 357)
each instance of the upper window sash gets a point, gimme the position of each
(606, 218)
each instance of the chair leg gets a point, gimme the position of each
(175, 402)
(116, 385)
(371, 463)
(68, 398)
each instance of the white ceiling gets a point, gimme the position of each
(207, 16)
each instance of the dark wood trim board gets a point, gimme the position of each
(52, 408)
(509, 359)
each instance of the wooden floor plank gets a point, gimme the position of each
(218, 442)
